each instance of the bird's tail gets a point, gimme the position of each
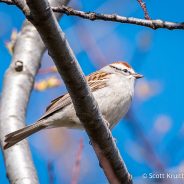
(21, 134)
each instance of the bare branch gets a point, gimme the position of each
(18, 83)
(154, 24)
(143, 6)
(22, 5)
(51, 173)
(77, 166)
(85, 105)
(9, 2)
(110, 172)
(15, 94)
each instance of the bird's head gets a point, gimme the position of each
(125, 69)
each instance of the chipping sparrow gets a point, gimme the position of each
(112, 87)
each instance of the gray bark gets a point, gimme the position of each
(18, 83)
(85, 105)
(153, 24)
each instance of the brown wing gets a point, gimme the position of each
(56, 100)
(95, 80)
(56, 105)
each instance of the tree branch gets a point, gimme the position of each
(18, 83)
(77, 167)
(85, 105)
(22, 5)
(143, 6)
(9, 2)
(153, 24)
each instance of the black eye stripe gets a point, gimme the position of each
(124, 70)
(116, 68)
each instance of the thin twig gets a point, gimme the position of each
(23, 6)
(143, 6)
(77, 166)
(51, 69)
(153, 24)
(88, 43)
(9, 2)
(150, 155)
(51, 174)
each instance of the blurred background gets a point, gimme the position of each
(150, 137)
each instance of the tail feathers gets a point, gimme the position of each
(21, 134)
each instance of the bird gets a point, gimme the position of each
(113, 88)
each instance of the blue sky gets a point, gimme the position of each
(158, 55)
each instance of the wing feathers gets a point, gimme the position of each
(95, 81)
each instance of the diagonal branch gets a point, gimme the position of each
(18, 83)
(22, 5)
(77, 166)
(85, 105)
(143, 6)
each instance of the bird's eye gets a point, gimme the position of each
(125, 70)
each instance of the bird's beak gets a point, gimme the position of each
(137, 75)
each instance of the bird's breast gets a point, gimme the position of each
(113, 102)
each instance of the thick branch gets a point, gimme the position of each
(18, 82)
(15, 94)
(85, 105)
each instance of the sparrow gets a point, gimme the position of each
(113, 89)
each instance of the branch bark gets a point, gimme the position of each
(86, 107)
(9, 2)
(18, 83)
(153, 24)
(144, 8)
